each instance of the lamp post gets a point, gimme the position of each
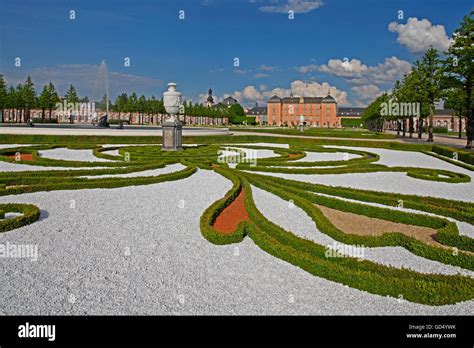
(172, 128)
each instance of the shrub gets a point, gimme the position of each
(30, 213)
(449, 152)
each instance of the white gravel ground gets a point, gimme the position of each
(133, 250)
(394, 181)
(388, 182)
(464, 228)
(64, 154)
(153, 172)
(394, 158)
(294, 219)
(277, 145)
(7, 146)
(254, 153)
(139, 250)
(112, 152)
(327, 156)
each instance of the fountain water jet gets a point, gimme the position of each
(102, 84)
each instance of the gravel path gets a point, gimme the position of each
(112, 152)
(388, 182)
(7, 146)
(277, 145)
(153, 172)
(394, 181)
(64, 154)
(294, 219)
(394, 158)
(118, 251)
(254, 153)
(327, 156)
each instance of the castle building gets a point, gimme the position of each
(314, 111)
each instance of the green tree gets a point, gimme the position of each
(430, 76)
(53, 99)
(141, 108)
(19, 103)
(3, 97)
(410, 90)
(28, 96)
(132, 104)
(236, 114)
(120, 104)
(11, 102)
(459, 68)
(43, 100)
(71, 95)
(455, 99)
(372, 116)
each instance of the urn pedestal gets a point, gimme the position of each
(172, 133)
(172, 128)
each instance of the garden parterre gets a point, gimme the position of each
(418, 283)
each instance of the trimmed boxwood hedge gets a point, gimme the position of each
(30, 213)
(365, 275)
(211, 213)
(361, 274)
(463, 156)
(447, 230)
(449, 160)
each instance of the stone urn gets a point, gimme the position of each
(172, 101)
(172, 128)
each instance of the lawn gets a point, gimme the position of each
(321, 132)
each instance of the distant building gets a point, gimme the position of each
(260, 114)
(350, 112)
(229, 101)
(316, 111)
(442, 119)
(350, 117)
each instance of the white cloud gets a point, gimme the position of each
(344, 68)
(390, 70)
(304, 69)
(418, 35)
(251, 94)
(260, 75)
(367, 92)
(266, 68)
(356, 72)
(298, 6)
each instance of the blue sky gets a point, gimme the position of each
(355, 49)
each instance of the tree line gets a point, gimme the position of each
(20, 100)
(433, 78)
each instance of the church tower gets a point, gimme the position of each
(210, 99)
